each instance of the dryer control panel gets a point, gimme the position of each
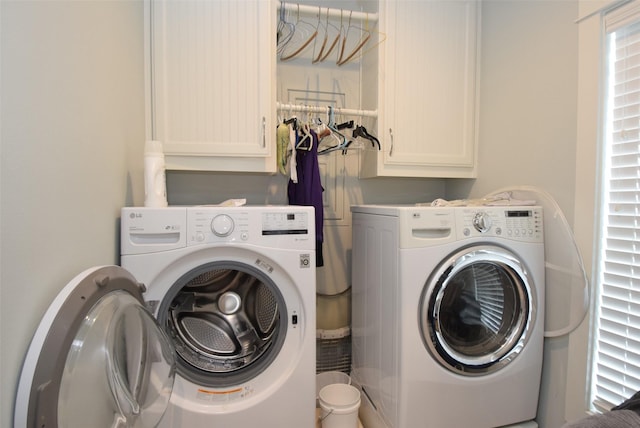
(522, 223)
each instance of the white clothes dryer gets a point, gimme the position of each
(210, 321)
(448, 315)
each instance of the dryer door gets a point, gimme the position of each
(477, 310)
(97, 359)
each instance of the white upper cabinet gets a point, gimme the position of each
(211, 93)
(427, 99)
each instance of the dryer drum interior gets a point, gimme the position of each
(227, 321)
(477, 315)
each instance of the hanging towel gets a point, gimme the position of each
(293, 142)
(282, 138)
(308, 190)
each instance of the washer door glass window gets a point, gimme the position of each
(477, 310)
(97, 359)
(136, 364)
(227, 321)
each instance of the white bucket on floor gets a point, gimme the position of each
(339, 404)
(327, 378)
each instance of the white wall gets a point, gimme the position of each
(71, 140)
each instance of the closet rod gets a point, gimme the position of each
(333, 13)
(318, 109)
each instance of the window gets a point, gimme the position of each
(615, 362)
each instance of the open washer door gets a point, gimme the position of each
(98, 358)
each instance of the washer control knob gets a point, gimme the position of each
(222, 225)
(229, 303)
(482, 222)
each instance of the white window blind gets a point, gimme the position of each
(616, 359)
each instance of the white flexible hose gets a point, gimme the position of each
(552, 212)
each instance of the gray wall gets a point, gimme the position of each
(528, 114)
(528, 96)
(71, 145)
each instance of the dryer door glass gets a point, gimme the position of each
(478, 310)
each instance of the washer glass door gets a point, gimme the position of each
(477, 310)
(98, 359)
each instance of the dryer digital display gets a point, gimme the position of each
(520, 213)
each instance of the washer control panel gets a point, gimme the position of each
(222, 225)
(285, 223)
(215, 225)
(148, 230)
(284, 226)
(519, 223)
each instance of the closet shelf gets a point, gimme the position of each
(318, 109)
(332, 12)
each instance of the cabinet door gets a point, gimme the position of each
(212, 83)
(428, 91)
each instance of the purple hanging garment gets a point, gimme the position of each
(308, 190)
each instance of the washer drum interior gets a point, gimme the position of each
(227, 322)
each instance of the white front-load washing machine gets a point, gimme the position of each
(210, 321)
(448, 315)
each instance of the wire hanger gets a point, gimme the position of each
(315, 59)
(285, 29)
(367, 35)
(323, 54)
(382, 37)
(298, 30)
